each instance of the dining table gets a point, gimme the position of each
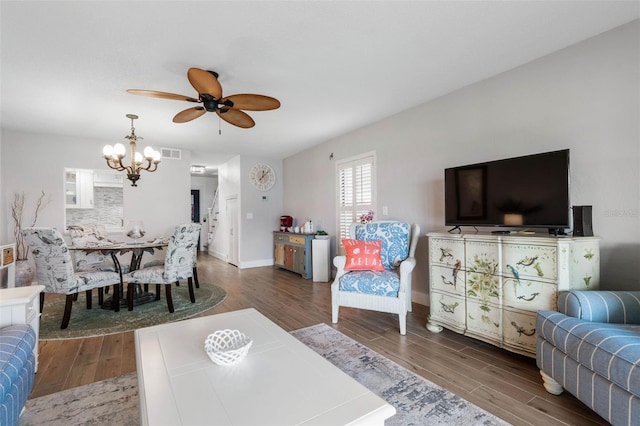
(137, 250)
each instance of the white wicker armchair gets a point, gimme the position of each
(383, 291)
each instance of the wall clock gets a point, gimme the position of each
(262, 177)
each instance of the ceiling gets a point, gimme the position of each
(335, 65)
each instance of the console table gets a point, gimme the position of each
(292, 251)
(490, 287)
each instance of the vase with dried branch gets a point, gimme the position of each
(17, 212)
(24, 270)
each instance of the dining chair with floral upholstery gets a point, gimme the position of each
(91, 235)
(178, 264)
(55, 271)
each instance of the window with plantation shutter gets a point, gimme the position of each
(356, 191)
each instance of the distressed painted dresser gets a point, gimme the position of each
(490, 286)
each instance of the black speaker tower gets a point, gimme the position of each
(582, 225)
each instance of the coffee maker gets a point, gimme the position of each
(286, 222)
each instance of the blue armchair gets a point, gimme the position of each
(385, 290)
(591, 348)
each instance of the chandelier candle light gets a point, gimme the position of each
(115, 154)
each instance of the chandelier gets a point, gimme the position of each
(115, 154)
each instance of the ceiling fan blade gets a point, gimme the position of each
(189, 114)
(236, 117)
(204, 82)
(253, 102)
(163, 95)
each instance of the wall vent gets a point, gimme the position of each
(170, 153)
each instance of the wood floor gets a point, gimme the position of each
(502, 383)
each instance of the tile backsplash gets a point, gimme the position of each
(107, 210)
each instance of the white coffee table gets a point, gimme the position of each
(280, 382)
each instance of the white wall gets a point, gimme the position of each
(35, 162)
(258, 217)
(4, 214)
(585, 98)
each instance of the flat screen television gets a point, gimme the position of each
(524, 192)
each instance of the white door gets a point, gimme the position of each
(232, 217)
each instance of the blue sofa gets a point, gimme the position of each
(17, 370)
(591, 348)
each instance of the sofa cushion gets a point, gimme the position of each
(610, 350)
(16, 348)
(379, 283)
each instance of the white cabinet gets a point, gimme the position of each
(490, 287)
(78, 188)
(320, 254)
(8, 265)
(21, 305)
(108, 178)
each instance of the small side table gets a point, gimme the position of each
(21, 305)
(8, 263)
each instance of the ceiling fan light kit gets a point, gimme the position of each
(210, 96)
(115, 154)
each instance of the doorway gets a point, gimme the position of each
(195, 205)
(232, 215)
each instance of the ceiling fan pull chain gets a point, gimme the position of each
(219, 126)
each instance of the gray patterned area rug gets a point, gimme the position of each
(417, 400)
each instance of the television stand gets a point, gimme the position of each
(490, 287)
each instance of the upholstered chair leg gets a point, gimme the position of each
(169, 299)
(195, 277)
(100, 296)
(116, 297)
(88, 295)
(192, 296)
(146, 288)
(106, 290)
(177, 283)
(67, 310)
(75, 296)
(157, 291)
(41, 301)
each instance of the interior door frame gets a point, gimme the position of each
(233, 256)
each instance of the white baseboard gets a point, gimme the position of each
(419, 297)
(218, 255)
(256, 263)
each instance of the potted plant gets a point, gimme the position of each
(321, 235)
(24, 270)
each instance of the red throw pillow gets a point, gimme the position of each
(363, 255)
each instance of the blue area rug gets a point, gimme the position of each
(97, 321)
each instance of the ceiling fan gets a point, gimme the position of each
(210, 96)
